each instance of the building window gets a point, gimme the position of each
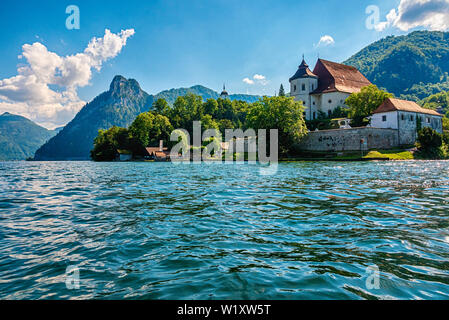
(303, 87)
(329, 113)
(384, 118)
(294, 87)
(330, 101)
(402, 117)
(312, 86)
(314, 115)
(412, 118)
(314, 103)
(428, 120)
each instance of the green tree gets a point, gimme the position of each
(161, 106)
(211, 107)
(108, 142)
(149, 128)
(225, 124)
(282, 113)
(281, 91)
(140, 128)
(445, 123)
(185, 110)
(429, 143)
(362, 104)
(207, 122)
(160, 130)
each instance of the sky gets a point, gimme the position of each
(50, 66)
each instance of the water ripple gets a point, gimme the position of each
(215, 231)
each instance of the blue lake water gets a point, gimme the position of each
(220, 231)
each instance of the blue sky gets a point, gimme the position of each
(180, 43)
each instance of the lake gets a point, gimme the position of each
(314, 230)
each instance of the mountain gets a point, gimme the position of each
(413, 66)
(20, 137)
(171, 95)
(119, 106)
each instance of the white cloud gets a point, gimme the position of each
(391, 18)
(429, 14)
(257, 79)
(325, 41)
(45, 89)
(248, 81)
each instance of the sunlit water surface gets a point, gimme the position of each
(217, 231)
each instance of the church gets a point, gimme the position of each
(326, 88)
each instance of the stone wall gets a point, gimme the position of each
(350, 139)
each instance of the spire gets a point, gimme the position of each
(224, 93)
(303, 71)
(304, 64)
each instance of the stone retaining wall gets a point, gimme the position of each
(350, 139)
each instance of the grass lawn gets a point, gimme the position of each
(394, 154)
(390, 154)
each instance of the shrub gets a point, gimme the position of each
(430, 144)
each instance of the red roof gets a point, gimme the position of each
(391, 104)
(152, 150)
(336, 77)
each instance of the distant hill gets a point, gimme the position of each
(20, 137)
(119, 106)
(413, 66)
(171, 95)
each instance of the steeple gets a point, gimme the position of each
(303, 71)
(224, 94)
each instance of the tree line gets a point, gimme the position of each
(282, 113)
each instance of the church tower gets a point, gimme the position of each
(224, 94)
(302, 84)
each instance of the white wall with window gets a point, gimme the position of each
(387, 120)
(405, 120)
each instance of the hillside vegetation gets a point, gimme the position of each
(412, 66)
(20, 137)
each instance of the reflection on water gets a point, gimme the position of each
(220, 231)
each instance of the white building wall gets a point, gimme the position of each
(300, 89)
(406, 120)
(330, 101)
(406, 123)
(385, 120)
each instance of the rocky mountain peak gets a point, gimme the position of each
(120, 86)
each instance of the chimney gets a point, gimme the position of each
(161, 145)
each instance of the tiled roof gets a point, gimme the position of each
(303, 72)
(391, 104)
(153, 150)
(336, 77)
